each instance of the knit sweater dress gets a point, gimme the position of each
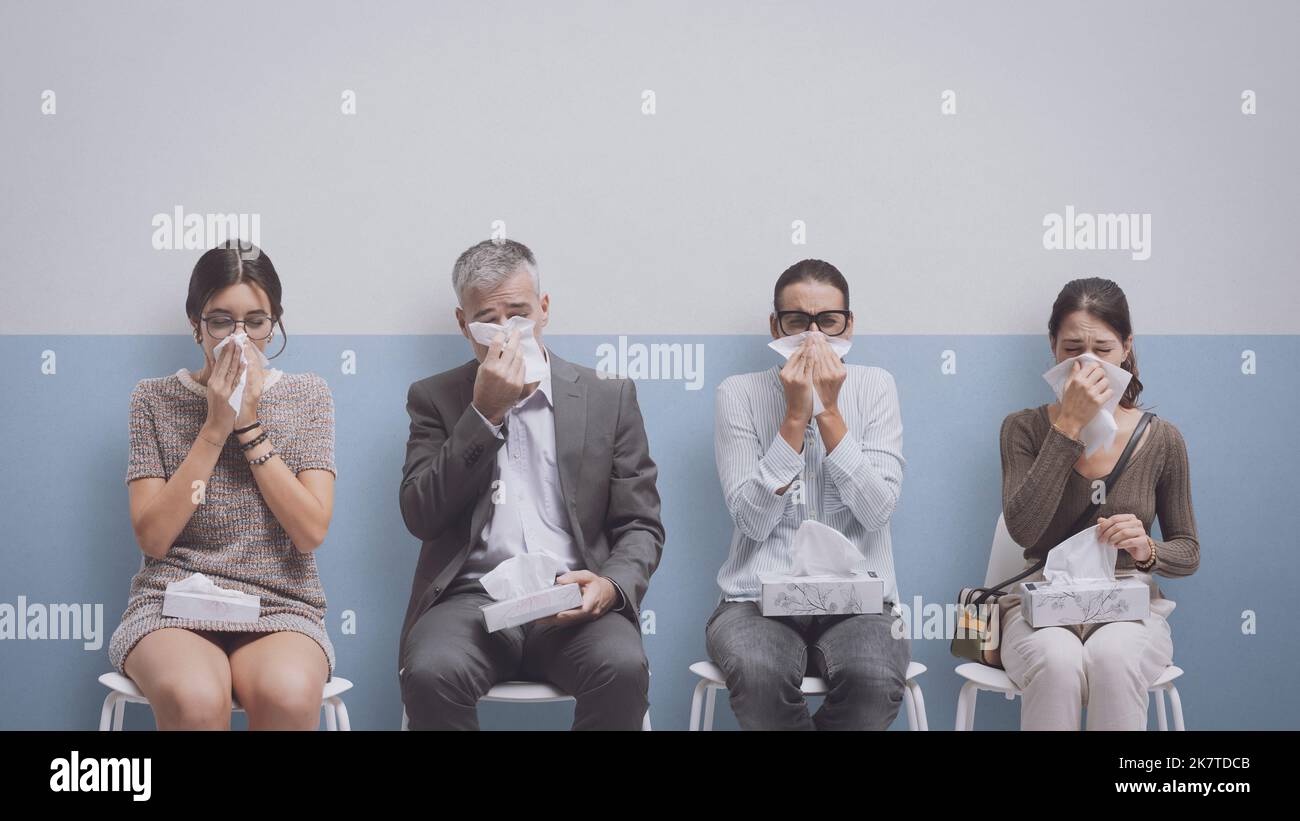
(233, 537)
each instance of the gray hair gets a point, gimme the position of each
(491, 262)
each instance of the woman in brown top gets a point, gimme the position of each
(1048, 483)
(242, 497)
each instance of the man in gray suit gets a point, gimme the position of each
(495, 468)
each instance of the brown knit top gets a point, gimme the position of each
(1043, 495)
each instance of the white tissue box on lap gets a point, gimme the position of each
(1124, 598)
(828, 576)
(785, 595)
(525, 590)
(1080, 586)
(531, 606)
(198, 597)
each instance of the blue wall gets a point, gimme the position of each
(67, 534)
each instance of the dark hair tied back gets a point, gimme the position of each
(1103, 299)
(233, 262)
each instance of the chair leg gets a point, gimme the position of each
(106, 712)
(1176, 704)
(406, 725)
(645, 721)
(697, 704)
(119, 712)
(912, 693)
(966, 706)
(710, 699)
(331, 721)
(342, 722)
(1159, 695)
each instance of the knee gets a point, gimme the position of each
(440, 678)
(625, 669)
(285, 692)
(867, 678)
(192, 702)
(761, 676)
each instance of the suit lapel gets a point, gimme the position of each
(570, 399)
(478, 518)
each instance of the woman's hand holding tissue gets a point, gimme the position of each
(500, 377)
(598, 596)
(796, 381)
(222, 380)
(1085, 392)
(828, 371)
(1126, 532)
(252, 389)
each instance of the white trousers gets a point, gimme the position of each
(1106, 667)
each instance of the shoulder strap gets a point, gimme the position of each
(1091, 512)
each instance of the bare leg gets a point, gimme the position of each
(186, 677)
(278, 679)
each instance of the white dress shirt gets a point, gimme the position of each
(528, 512)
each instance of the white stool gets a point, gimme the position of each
(123, 690)
(983, 677)
(712, 680)
(528, 692)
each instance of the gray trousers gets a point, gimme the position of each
(765, 658)
(449, 661)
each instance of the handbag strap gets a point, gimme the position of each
(1080, 523)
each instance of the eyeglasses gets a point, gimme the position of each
(831, 323)
(257, 327)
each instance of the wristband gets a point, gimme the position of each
(252, 443)
(247, 428)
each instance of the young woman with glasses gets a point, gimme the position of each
(243, 497)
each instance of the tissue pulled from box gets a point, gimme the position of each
(821, 550)
(523, 574)
(1101, 429)
(1082, 557)
(535, 365)
(198, 597)
(787, 345)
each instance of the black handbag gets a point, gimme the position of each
(978, 615)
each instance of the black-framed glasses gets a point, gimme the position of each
(257, 327)
(831, 323)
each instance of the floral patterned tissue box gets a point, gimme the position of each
(821, 595)
(1085, 602)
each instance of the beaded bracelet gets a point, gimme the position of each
(254, 442)
(259, 460)
(247, 428)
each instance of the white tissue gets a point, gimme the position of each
(199, 583)
(1100, 431)
(523, 574)
(535, 365)
(1082, 557)
(787, 345)
(237, 396)
(821, 550)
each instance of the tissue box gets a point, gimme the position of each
(522, 609)
(821, 595)
(1127, 598)
(208, 607)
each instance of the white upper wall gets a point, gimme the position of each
(679, 222)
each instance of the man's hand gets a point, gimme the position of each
(500, 377)
(598, 596)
